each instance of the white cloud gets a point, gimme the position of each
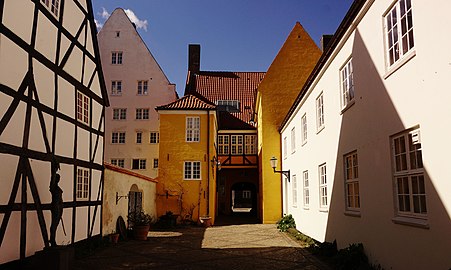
(104, 13)
(98, 24)
(139, 23)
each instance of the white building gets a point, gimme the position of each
(366, 139)
(52, 100)
(136, 85)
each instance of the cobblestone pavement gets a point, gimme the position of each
(256, 246)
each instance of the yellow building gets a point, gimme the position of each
(276, 93)
(187, 169)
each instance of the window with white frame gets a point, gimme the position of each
(322, 185)
(116, 88)
(142, 114)
(320, 112)
(236, 144)
(306, 189)
(351, 172)
(139, 164)
(82, 108)
(294, 189)
(143, 87)
(82, 184)
(228, 105)
(304, 129)
(139, 137)
(247, 194)
(223, 144)
(119, 114)
(116, 58)
(250, 144)
(285, 147)
(347, 84)
(118, 137)
(155, 163)
(191, 170)
(120, 162)
(293, 139)
(399, 31)
(192, 128)
(409, 174)
(154, 137)
(52, 5)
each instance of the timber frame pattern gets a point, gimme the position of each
(26, 95)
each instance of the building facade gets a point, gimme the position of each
(364, 142)
(52, 105)
(136, 85)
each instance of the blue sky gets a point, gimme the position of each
(235, 35)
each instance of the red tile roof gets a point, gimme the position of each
(188, 102)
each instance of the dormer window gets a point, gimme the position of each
(228, 105)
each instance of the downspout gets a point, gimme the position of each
(208, 163)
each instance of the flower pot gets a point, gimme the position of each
(206, 221)
(140, 232)
(114, 237)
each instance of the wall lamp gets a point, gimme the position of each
(215, 161)
(120, 197)
(273, 161)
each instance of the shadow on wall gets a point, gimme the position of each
(366, 128)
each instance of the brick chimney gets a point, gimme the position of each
(194, 58)
(325, 39)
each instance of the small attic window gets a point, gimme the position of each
(228, 105)
(118, 33)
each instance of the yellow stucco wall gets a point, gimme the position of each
(174, 151)
(276, 93)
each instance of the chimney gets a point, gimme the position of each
(194, 58)
(325, 39)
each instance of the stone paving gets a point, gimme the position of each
(254, 246)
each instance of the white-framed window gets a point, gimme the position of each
(306, 190)
(192, 128)
(398, 24)
(82, 108)
(143, 88)
(410, 190)
(320, 112)
(322, 185)
(351, 173)
(228, 105)
(116, 88)
(347, 84)
(139, 137)
(293, 140)
(294, 189)
(285, 148)
(155, 163)
(236, 144)
(52, 5)
(223, 144)
(250, 142)
(304, 129)
(139, 164)
(82, 184)
(142, 114)
(119, 114)
(120, 162)
(116, 58)
(118, 137)
(154, 137)
(191, 170)
(247, 194)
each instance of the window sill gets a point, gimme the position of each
(349, 105)
(402, 62)
(352, 213)
(411, 221)
(324, 210)
(115, 95)
(306, 208)
(304, 143)
(320, 129)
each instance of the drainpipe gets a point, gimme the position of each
(208, 162)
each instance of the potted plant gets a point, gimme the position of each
(140, 223)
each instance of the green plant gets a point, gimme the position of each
(139, 218)
(285, 223)
(352, 257)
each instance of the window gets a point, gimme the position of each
(409, 174)
(143, 87)
(138, 164)
(142, 114)
(304, 129)
(347, 84)
(293, 140)
(82, 184)
(285, 147)
(116, 58)
(247, 194)
(118, 162)
(118, 137)
(155, 162)
(192, 129)
(118, 33)
(399, 31)
(320, 112)
(154, 137)
(223, 144)
(119, 114)
(294, 187)
(228, 105)
(236, 145)
(352, 181)
(116, 88)
(139, 137)
(82, 108)
(191, 170)
(52, 5)
(250, 144)
(306, 189)
(322, 186)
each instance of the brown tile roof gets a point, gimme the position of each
(188, 102)
(227, 85)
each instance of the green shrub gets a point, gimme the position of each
(352, 257)
(285, 223)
